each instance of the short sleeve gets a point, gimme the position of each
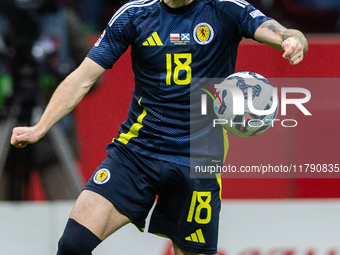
(113, 42)
(249, 20)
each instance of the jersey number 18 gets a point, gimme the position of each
(180, 66)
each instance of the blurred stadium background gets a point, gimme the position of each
(260, 216)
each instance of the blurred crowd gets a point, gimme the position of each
(310, 16)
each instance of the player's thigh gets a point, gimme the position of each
(178, 251)
(97, 214)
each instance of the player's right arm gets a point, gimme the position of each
(68, 94)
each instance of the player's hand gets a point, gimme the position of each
(293, 50)
(21, 136)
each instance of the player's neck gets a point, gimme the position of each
(177, 3)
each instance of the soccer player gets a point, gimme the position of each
(172, 42)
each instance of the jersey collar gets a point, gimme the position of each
(179, 10)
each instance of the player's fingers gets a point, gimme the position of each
(293, 50)
(297, 60)
(22, 136)
(297, 56)
(20, 145)
(18, 141)
(289, 51)
(19, 138)
(288, 48)
(15, 133)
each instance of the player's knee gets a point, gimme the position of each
(77, 240)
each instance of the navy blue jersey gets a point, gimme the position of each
(169, 48)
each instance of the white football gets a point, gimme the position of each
(259, 110)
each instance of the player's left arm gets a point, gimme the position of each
(291, 41)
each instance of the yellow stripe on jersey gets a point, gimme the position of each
(226, 144)
(134, 130)
(151, 41)
(226, 147)
(157, 39)
(219, 181)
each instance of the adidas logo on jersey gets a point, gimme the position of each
(153, 40)
(196, 237)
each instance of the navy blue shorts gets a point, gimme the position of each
(187, 209)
